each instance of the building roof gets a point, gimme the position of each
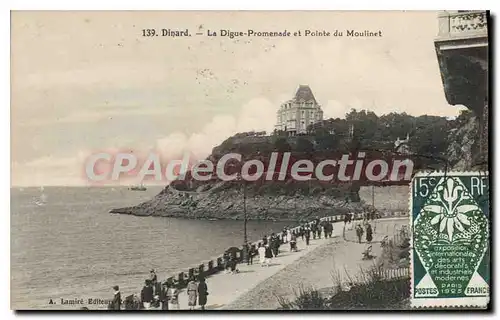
(304, 93)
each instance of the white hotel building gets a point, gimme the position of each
(295, 115)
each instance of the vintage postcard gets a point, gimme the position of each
(250, 160)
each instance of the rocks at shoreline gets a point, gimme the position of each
(228, 202)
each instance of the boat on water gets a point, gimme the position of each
(138, 188)
(42, 199)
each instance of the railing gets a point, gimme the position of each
(463, 23)
(392, 274)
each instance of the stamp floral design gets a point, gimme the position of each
(451, 237)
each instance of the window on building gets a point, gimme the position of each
(303, 113)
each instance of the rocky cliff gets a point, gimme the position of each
(292, 200)
(225, 200)
(463, 151)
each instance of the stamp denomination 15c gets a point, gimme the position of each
(450, 254)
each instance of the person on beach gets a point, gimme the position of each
(289, 234)
(173, 297)
(163, 296)
(369, 233)
(192, 292)
(202, 293)
(147, 295)
(117, 299)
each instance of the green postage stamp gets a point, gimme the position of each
(451, 239)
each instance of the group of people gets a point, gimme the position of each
(360, 231)
(164, 295)
(230, 263)
(155, 294)
(316, 229)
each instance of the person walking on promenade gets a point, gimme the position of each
(227, 263)
(202, 293)
(154, 283)
(246, 247)
(117, 299)
(277, 244)
(251, 253)
(163, 296)
(233, 263)
(289, 234)
(262, 254)
(264, 241)
(152, 277)
(274, 243)
(307, 232)
(192, 292)
(268, 255)
(284, 235)
(173, 297)
(369, 233)
(147, 295)
(293, 243)
(359, 232)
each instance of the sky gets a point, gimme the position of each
(85, 82)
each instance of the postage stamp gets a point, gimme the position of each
(450, 255)
(249, 160)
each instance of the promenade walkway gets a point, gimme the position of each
(224, 289)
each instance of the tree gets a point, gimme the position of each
(282, 145)
(304, 145)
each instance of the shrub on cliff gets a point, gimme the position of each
(373, 292)
(370, 292)
(306, 299)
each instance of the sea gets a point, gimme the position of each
(65, 245)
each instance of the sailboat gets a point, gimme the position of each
(42, 200)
